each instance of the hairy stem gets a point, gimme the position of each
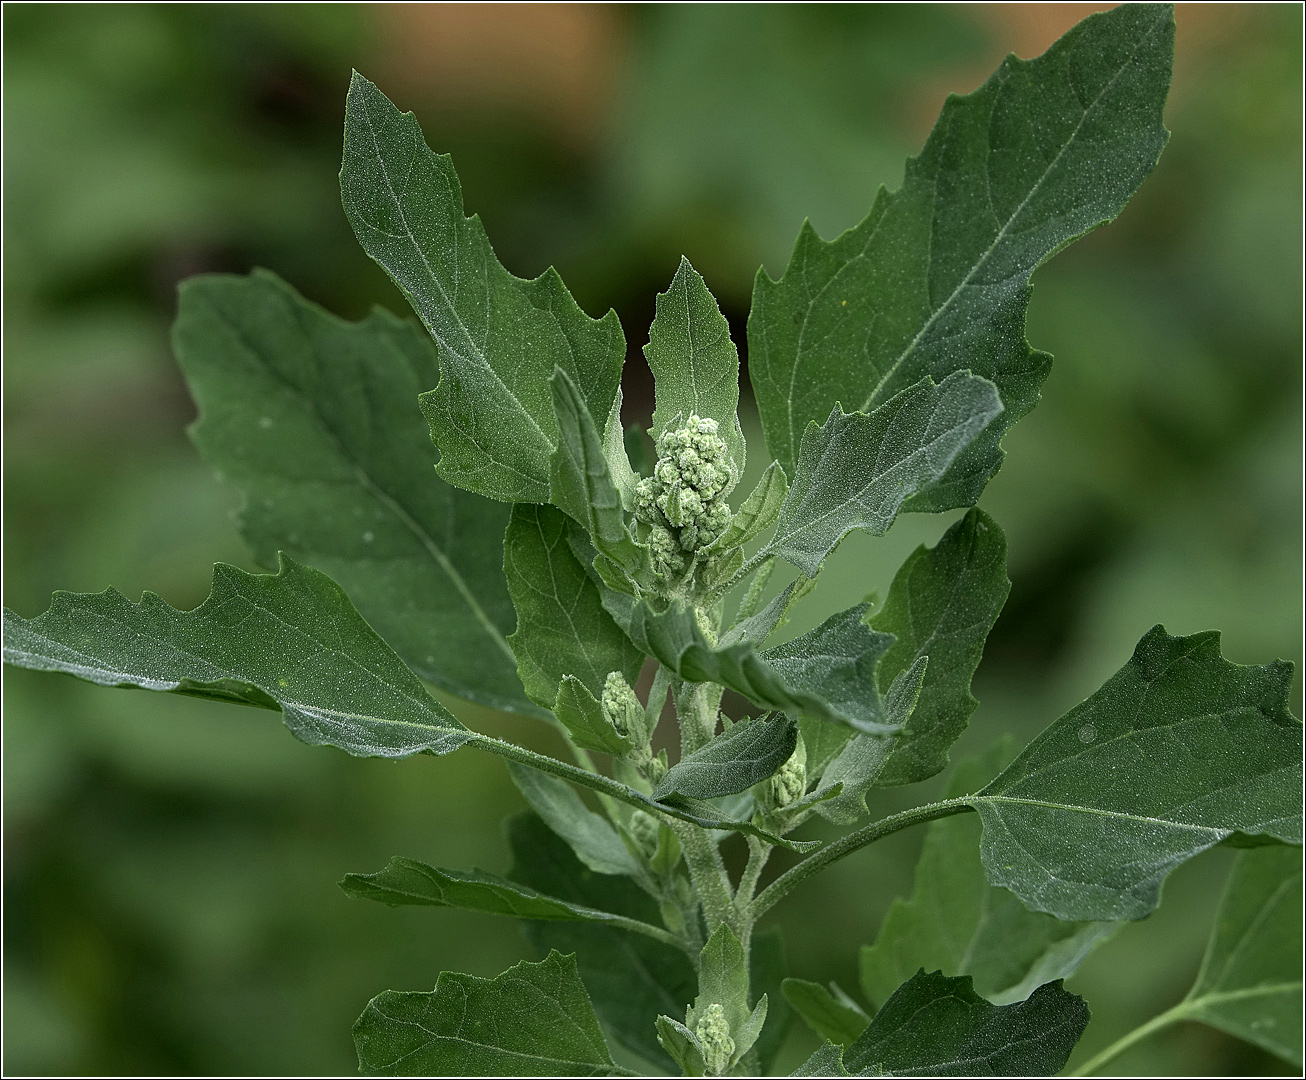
(819, 860)
(1121, 1045)
(758, 853)
(708, 874)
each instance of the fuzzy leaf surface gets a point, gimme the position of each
(562, 626)
(409, 882)
(594, 841)
(533, 1020)
(856, 471)
(499, 337)
(1178, 751)
(936, 278)
(758, 512)
(934, 1025)
(290, 641)
(315, 421)
(631, 978)
(695, 365)
(942, 604)
(832, 1016)
(746, 754)
(1250, 984)
(957, 922)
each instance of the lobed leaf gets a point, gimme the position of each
(315, 421)
(499, 337)
(856, 471)
(533, 1020)
(562, 627)
(290, 641)
(942, 604)
(1178, 751)
(957, 922)
(936, 278)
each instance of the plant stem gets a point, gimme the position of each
(758, 853)
(846, 846)
(708, 874)
(649, 930)
(1121, 1045)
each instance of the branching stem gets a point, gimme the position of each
(819, 860)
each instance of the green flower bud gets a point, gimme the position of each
(621, 708)
(790, 783)
(644, 831)
(713, 1031)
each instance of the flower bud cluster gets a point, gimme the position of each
(789, 784)
(713, 1032)
(621, 709)
(684, 501)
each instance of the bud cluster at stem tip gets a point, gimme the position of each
(684, 501)
(713, 1032)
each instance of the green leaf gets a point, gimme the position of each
(767, 969)
(631, 978)
(1177, 751)
(942, 604)
(594, 841)
(758, 512)
(562, 627)
(579, 481)
(832, 1014)
(828, 1061)
(856, 471)
(582, 716)
(315, 421)
(723, 980)
(837, 661)
(533, 1020)
(616, 451)
(957, 922)
(409, 882)
(934, 1025)
(499, 337)
(290, 641)
(1250, 984)
(743, 755)
(682, 1044)
(695, 365)
(858, 766)
(936, 278)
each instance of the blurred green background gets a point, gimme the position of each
(170, 864)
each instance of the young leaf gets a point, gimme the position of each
(499, 337)
(837, 662)
(758, 512)
(855, 471)
(315, 421)
(533, 1020)
(562, 627)
(858, 766)
(723, 982)
(1250, 984)
(936, 278)
(934, 1025)
(695, 365)
(1177, 751)
(409, 882)
(746, 754)
(594, 841)
(582, 716)
(579, 481)
(290, 641)
(767, 970)
(631, 978)
(942, 604)
(682, 1044)
(832, 1014)
(957, 922)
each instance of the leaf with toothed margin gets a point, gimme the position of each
(1178, 751)
(315, 421)
(533, 1020)
(499, 337)
(936, 278)
(290, 641)
(855, 471)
